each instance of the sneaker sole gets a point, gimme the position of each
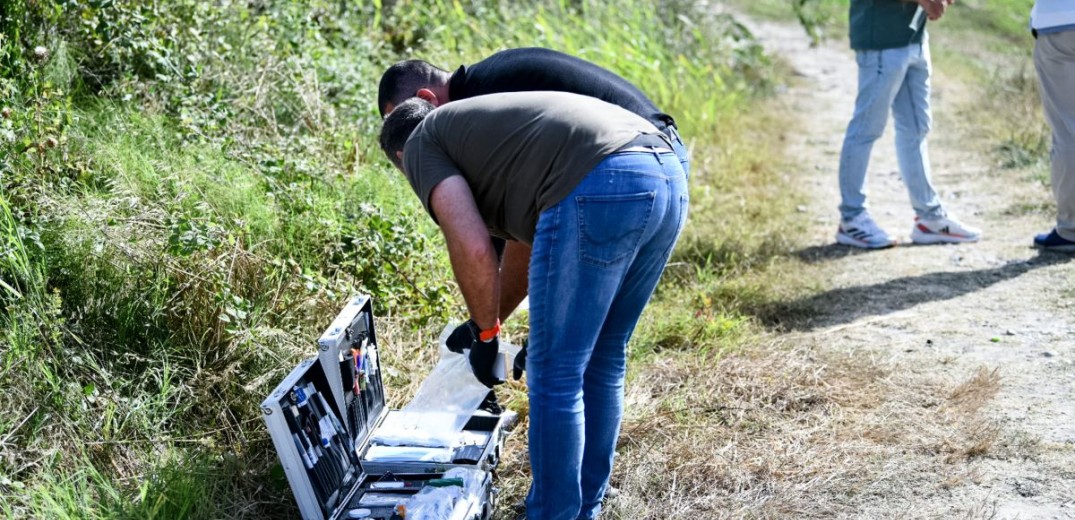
(1058, 249)
(853, 242)
(936, 238)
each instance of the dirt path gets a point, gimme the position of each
(988, 327)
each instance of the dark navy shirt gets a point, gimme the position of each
(883, 24)
(530, 69)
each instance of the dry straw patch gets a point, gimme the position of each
(787, 431)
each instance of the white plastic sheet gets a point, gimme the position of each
(473, 480)
(447, 399)
(447, 503)
(432, 504)
(408, 454)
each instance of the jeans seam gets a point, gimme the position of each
(873, 92)
(912, 107)
(638, 173)
(684, 201)
(918, 128)
(548, 262)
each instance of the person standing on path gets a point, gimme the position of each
(1053, 24)
(591, 199)
(894, 74)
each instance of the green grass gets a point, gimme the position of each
(183, 214)
(18, 274)
(1007, 19)
(180, 217)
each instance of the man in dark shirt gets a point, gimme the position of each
(522, 70)
(592, 199)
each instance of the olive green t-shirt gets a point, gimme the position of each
(520, 152)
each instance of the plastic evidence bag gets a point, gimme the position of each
(447, 503)
(447, 399)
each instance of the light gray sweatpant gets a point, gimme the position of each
(1054, 58)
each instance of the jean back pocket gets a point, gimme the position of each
(611, 226)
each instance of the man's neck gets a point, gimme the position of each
(441, 87)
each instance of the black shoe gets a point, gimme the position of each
(1052, 241)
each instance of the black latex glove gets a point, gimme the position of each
(519, 365)
(482, 359)
(462, 337)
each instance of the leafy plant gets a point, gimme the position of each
(818, 16)
(190, 189)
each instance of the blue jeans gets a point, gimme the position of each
(680, 149)
(596, 259)
(896, 79)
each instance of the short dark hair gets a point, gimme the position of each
(400, 124)
(403, 79)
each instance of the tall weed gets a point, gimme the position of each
(191, 188)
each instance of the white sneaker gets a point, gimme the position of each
(863, 232)
(945, 230)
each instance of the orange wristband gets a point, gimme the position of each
(487, 335)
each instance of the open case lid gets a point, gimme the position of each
(348, 352)
(322, 414)
(314, 447)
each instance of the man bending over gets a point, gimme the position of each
(591, 199)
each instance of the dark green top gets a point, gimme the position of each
(883, 24)
(520, 152)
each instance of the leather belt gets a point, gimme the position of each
(647, 143)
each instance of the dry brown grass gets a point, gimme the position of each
(782, 431)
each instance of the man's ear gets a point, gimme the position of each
(399, 155)
(429, 96)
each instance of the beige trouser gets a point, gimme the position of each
(1054, 58)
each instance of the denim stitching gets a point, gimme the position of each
(548, 263)
(920, 128)
(684, 203)
(637, 173)
(650, 195)
(873, 92)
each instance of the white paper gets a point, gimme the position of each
(407, 454)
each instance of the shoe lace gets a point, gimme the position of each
(867, 225)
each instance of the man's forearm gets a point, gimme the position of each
(476, 272)
(469, 249)
(934, 8)
(514, 277)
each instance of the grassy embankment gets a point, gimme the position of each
(190, 190)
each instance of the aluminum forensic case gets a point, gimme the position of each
(321, 419)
